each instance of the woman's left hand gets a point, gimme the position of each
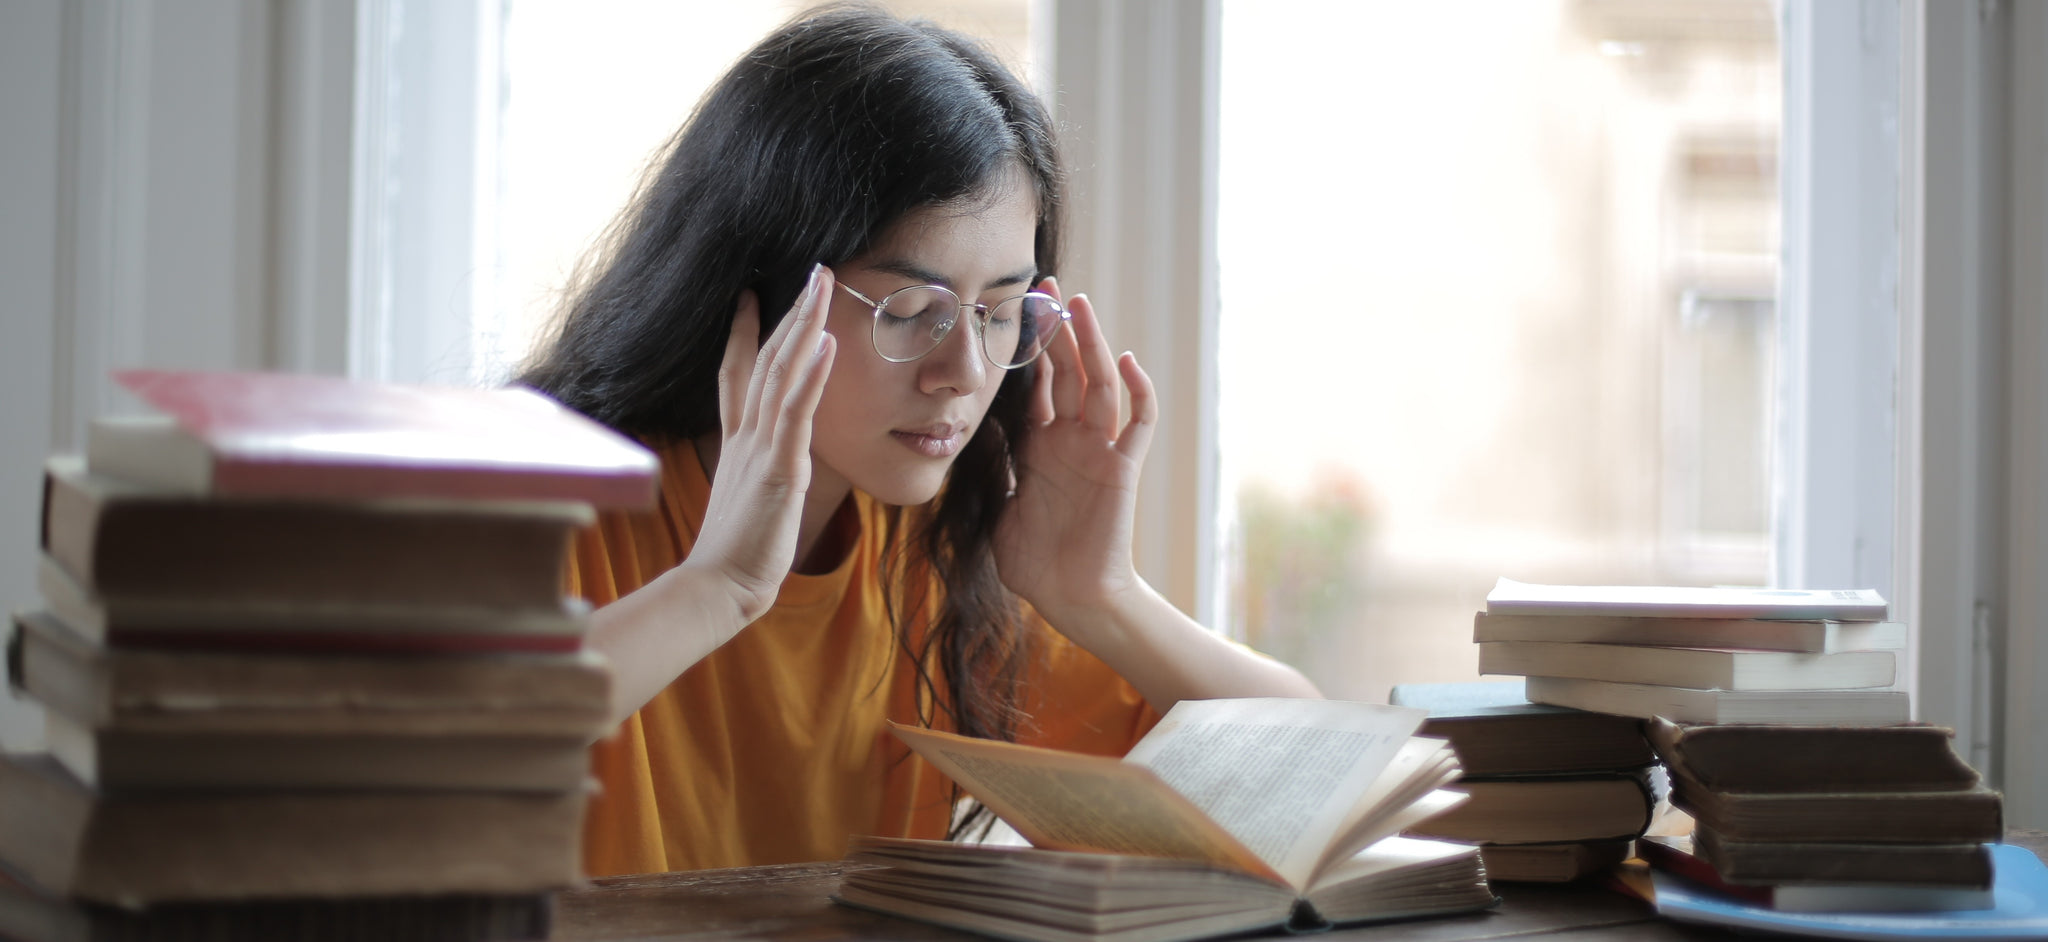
(1064, 542)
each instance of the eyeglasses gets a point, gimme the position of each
(911, 322)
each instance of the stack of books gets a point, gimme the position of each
(1808, 788)
(308, 667)
(1698, 655)
(1806, 818)
(1555, 794)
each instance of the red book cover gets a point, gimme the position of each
(293, 435)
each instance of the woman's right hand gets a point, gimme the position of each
(767, 393)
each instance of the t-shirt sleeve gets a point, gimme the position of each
(1077, 702)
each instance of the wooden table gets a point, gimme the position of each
(791, 902)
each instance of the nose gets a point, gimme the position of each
(956, 365)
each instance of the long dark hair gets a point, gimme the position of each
(825, 134)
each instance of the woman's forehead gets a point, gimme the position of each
(974, 243)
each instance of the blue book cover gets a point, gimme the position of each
(2019, 910)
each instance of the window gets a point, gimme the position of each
(1498, 298)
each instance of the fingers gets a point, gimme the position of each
(736, 370)
(793, 432)
(1137, 434)
(1069, 381)
(1098, 399)
(758, 383)
(779, 352)
(1040, 410)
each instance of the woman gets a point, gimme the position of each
(853, 506)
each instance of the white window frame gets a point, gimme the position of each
(1974, 423)
(1133, 86)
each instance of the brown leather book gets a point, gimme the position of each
(1958, 816)
(142, 848)
(135, 544)
(28, 914)
(1771, 862)
(1551, 863)
(1741, 758)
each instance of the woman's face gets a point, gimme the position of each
(893, 429)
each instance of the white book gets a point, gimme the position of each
(1700, 668)
(1524, 598)
(1689, 705)
(1812, 637)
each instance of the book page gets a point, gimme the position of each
(1282, 776)
(1409, 791)
(1066, 801)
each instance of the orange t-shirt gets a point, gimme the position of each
(775, 749)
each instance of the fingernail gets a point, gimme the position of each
(811, 282)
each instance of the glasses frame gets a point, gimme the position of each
(981, 319)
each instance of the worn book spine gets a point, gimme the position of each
(1497, 731)
(1548, 808)
(1688, 667)
(133, 544)
(1675, 855)
(31, 915)
(1949, 817)
(1771, 862)
(1811, 637)
(224, 692)
(118, 759)
(1551, 863)
(289, 625)
(1694, 705)
(1905, 757)
(148, 847)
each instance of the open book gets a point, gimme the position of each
(1230, 815)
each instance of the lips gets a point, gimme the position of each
(940, 440)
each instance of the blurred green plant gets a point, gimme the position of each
(1301, 568)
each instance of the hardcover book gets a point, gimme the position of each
(1810, 637)
(140, 546)
(125, 759)
(1560, 862)
(1868, 707)
(290, 625)
(1698, 668)
(304, 436)
(31, 915)
(1966, 866)
(238, 692)
(140, 848)
(2019, 909)
(1533, 809)
(1288, 797)
(1498, 731)
(1906, 757)
(1523, 598)
(1961, 816)
(1674, 855)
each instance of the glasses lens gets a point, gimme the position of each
(913, 321)
(1019, 329)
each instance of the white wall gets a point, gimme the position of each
(173, 192)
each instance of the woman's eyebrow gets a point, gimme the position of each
(923, 275)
